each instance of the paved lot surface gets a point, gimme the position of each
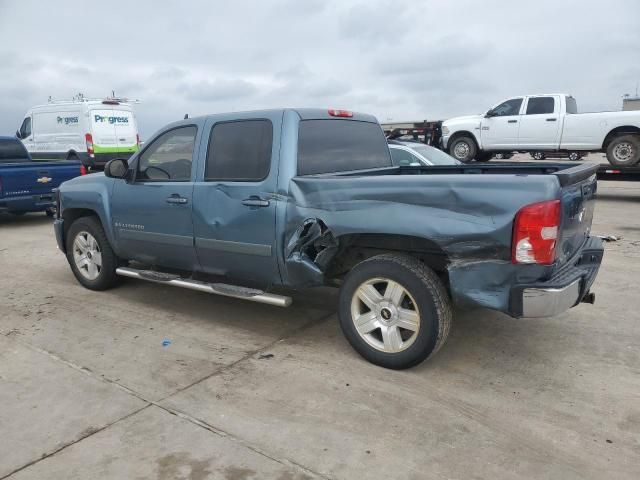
(246, 391)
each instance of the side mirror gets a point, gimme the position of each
(18, 134)
(116, 168)
(490, 114)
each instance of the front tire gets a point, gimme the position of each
(624, 151)
(538, 155)
(463, 149)
(90, 255)
(394, 310)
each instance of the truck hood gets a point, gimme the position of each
(473, 120)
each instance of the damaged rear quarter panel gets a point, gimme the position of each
(468, 216)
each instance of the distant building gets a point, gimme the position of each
(631, 103)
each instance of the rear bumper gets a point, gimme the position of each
(564, 290)
(58, 229)
(30, 203)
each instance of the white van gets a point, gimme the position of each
(93, 131)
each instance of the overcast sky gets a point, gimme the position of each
(409, 60)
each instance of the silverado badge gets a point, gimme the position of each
(44, 180)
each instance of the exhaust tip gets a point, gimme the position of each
(589, 298)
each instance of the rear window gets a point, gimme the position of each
(326, 146)
(12, 151)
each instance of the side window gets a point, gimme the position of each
(401, 158)
(169, 157)
(25, 129)
(540, 105)
(510, 107)
(239, 151)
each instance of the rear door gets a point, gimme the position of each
(126, 132)
(103, 130)
(235, 204)
(540, 123)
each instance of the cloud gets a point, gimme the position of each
(412, 60)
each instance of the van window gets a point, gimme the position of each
(239, 151)
(540, 105)
(326, 146)
(25, 129)
(168, 157)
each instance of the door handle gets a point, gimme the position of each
(176, 200)
(551, 119)
(255, 201)
(512, 121)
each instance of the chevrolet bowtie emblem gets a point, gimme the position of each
(44, 179)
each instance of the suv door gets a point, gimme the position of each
(152, 213)
(540, 123)
(500, 126)
(234, 215)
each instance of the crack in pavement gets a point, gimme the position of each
(13, 334)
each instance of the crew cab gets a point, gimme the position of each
(239, 204)
(544, 123)
(28, 186)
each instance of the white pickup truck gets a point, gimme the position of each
(544, 123)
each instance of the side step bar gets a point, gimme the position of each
(223, 289)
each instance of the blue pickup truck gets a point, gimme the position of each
(237, 204)
(28, 186)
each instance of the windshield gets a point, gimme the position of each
(12, 150)
(433, 155)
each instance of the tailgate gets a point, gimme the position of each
(579, 186)
(36, 178)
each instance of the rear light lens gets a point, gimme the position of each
(138, 139)
(83, 170)
(340, 113)
(535, 233)
(89, 140)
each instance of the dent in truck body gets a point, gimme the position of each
(466, 217)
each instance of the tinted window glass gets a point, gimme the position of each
(25, 129)
(539, 105)
(510, 107)
(401, 157)
(572, 106)
(240, 151)
(433, 155)
(326, 146)
(13, 151)
(169, 157)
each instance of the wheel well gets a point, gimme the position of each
(70, 215)
(463, 133)
(358, 247)
(71, 154)
(616, 132)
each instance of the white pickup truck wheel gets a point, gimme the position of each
(463, 149)
(394, 310)
(624, 151)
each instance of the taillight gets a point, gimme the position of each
(340, 113)
(535, 232)
(83, 170)
(138, 139)
(89, 140)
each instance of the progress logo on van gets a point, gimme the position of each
(111, 120)
(67, 120)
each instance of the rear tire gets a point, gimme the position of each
(574, 156)
(463, 149)
(624, 151)
(407, 314)
(90, 255)
(72, 156)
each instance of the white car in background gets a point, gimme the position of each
(414, 153)
(544, 123)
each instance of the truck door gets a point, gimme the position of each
(152, 213)
(499, 128)
(234, 214)
(540, 123)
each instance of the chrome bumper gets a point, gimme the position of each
(548, 302)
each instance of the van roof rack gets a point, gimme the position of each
(78, 98)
